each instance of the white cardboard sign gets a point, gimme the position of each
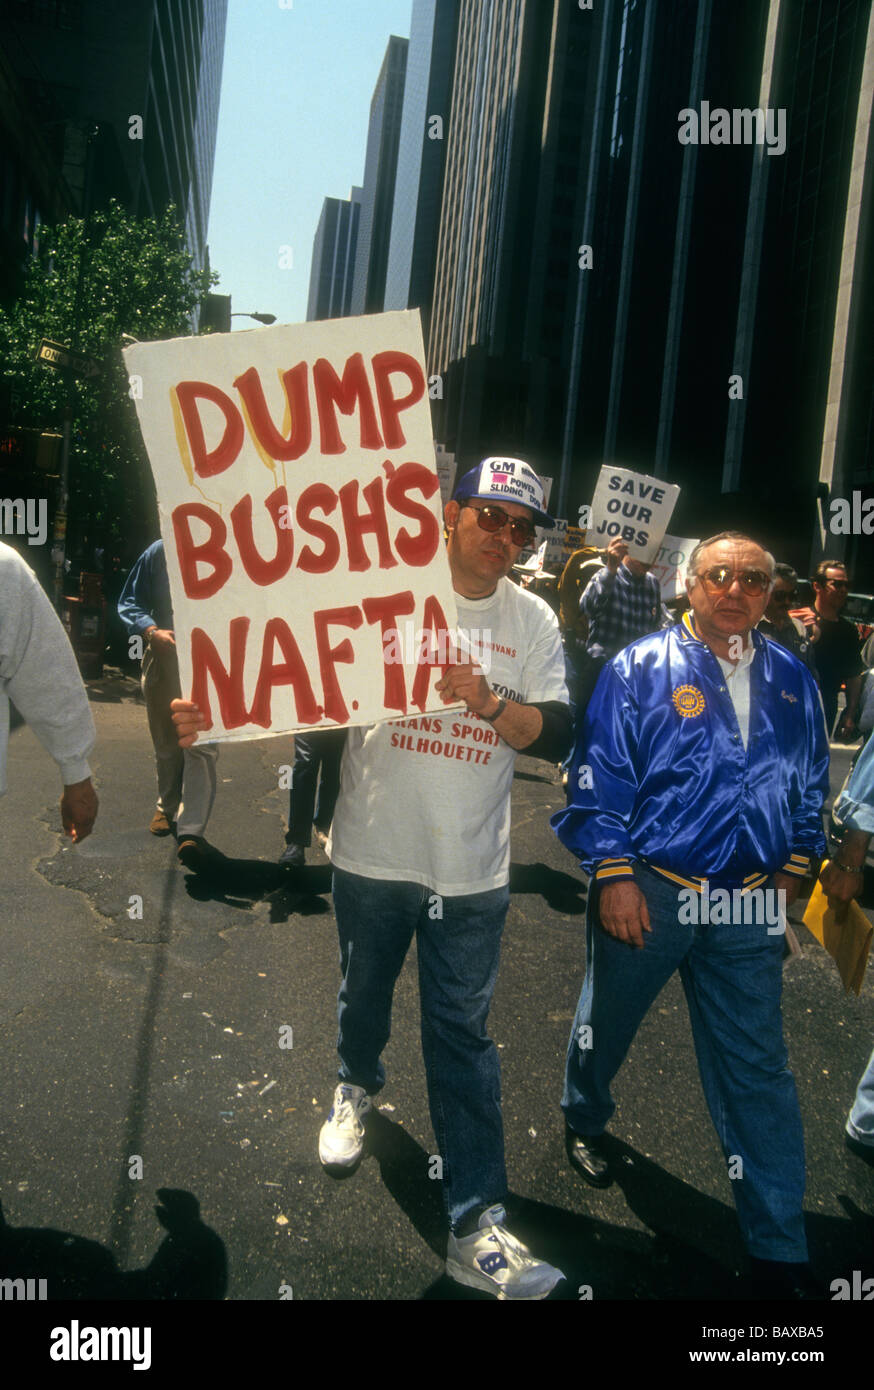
(300, 511)
(553, 539)
(669, 566)
(634, 507)
(446, 468)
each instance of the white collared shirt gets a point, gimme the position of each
(737, 682)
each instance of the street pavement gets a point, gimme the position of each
(157, 1141)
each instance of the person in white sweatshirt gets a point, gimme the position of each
(38, 672)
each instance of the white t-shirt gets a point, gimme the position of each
(427, 799)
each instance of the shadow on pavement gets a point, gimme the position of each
(691, 1250)
(190, 1262)
(562, 892)
(676, 1212)
(240, 883)
(612, 1261)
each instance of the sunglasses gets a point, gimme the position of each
(494, 519)
(784, 600)
(719, 579)
(838, 583)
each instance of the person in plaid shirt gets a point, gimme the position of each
(621, 603)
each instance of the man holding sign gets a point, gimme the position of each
(421, 846)
(622, 602)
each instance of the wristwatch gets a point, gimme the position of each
(846, 869)
(502, 705)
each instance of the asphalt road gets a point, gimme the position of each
(143, 1055)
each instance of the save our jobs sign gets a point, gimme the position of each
(300, 511)
(634, 507)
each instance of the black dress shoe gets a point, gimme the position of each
(585, 1154)
(783, 1280)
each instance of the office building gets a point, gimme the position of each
(333, 263)
(378, 191)
(421, 157)
(521, 114)
(124, 97)
(697, 308)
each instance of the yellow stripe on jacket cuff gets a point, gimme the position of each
(797, 866)
(608, 870)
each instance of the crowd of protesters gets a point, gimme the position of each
(697, 757)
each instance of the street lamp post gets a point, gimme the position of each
(261, 318)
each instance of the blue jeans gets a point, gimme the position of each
(732, 978)
(861, 1122)
(458, 955)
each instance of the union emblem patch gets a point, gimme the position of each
(688, 701)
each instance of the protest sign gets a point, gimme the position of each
(669, 566)
(634, 507)
(575, 539)
(300, 511)
(446, 468)
(551, 543)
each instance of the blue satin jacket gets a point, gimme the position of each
(660, 773)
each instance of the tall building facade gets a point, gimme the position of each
(380, 169)
(655, 250)
(421, 157)
(521, 114)
(333, 262)
(125, 96)
(730, 282)
(206, 112)
(827, 211)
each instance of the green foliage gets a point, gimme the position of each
(95, 280)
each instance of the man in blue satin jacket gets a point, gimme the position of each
(695, 806)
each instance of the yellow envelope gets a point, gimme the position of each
(847, 942)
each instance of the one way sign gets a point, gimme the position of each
(56, 355)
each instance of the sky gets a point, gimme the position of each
(297, 82)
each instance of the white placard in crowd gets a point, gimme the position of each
(553, 538)
(634, 507)
(669, 566)
(300, 511)
(446, 469)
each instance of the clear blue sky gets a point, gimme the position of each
(295, 103)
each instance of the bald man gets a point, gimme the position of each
(695, 806)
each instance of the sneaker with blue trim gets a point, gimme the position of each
(494, 1260)
(341, 1139)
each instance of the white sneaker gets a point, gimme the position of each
(341, 1140)
(494, 1260)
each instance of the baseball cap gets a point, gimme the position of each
(505, 480)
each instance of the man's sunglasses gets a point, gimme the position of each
(719, 579)
(838, 583)
(494, 519)
(784, 600)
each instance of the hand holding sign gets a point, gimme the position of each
(464, 680)
(188, 720)
(615, 554)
